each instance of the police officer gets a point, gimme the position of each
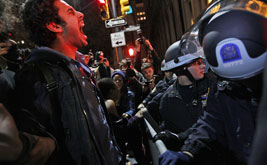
(185, 99)
(235, 48)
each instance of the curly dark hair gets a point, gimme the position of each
(105, 85)
(36, 14)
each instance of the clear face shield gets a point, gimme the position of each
(189, 49)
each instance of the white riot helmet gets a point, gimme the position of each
(163, 66)
(183, 52)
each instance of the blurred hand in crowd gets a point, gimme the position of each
(86, 59)
(10, 143)
(148, 44)
(4, 46)
(11, 146)
(138, 45)
(41, 151)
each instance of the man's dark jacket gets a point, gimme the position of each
(74, 116)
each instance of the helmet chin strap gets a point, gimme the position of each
(184, 71)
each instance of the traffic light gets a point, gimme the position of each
(104, 10)
(131, 52)
(124, 6)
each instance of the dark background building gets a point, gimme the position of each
(167, 20)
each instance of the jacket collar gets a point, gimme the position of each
(46, 54)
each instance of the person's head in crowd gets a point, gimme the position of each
(185, 59)
(9, 52)
(147, 70)
(108, 89)
(91, 57)
(99, 56)
(123, 65)
(126, 64)
(127, 67)
(55, 24)
(119, 78)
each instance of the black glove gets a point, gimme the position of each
(121, 123)
(171, 140)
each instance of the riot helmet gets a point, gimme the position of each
(182, 53)
(163, 66)
(234, 37)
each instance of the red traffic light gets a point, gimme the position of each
(102, 2)
(131, 52)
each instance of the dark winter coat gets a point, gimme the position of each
(75, 116)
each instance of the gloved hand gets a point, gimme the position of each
(121, 123)
(171, 158)
(170, 139)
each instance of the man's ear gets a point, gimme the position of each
(52, 26)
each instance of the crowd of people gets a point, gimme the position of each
(206, 96)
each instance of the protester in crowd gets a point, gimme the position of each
(126, 109)
(151, 55)
(91, 58)
(126, 103)
(134, 78)
(102, 69)
(111, 94)
(150, 79)
(11, 56)
(59, 90)
(237, 55)
(127, 64)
